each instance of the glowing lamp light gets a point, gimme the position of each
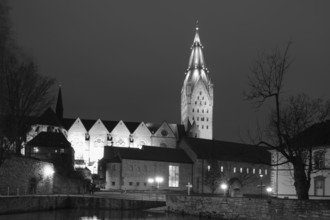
(48, 171)
(159, 179)
(269, 189)
(151, 180)
(224, 186)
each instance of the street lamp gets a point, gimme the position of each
(224, 187)
(269, 190)
(159, 180)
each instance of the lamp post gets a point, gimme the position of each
(261, 184)
(224, 187)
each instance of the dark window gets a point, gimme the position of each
(145, 184)
(130, 183)
(113, 183)
(138, 183)
(319, 160)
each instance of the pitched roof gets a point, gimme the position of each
(227, 151)
(147, 153)
(49, 118)
(67, 122)
(110, 125)
(50, 139)
(88, 123)
(316, 135)
(131, 126)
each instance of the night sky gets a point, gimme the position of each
(126, 59)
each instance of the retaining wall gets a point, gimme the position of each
(17, 204)
(249, 208)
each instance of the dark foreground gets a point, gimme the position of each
(83, 214)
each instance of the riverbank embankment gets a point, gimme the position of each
(17, 204)
(249, 208)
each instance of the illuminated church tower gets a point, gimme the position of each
(197, 95)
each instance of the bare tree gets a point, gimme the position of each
(288, 119)
(25, 94)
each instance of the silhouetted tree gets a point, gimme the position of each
(288, 119)
(23, 91)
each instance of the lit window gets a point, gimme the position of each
(241, 170)
(62, 150)
(254, 171)
(173, 179)
(35, 150)
(208, 167)
(265, 171)
(234, 169)
(259, 171)
(247, 170)
(221, 168)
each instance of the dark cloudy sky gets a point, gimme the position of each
(126, 59)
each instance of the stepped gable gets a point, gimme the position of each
(49, 118)
(227, 151)
(50, 139)
(149, 153)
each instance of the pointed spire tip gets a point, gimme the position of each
(197, 25)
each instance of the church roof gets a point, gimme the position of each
(196, 68)
(148, 153)
(131, 126)
(49, 118)
(50, 139)
(67, 122)
(227, 151)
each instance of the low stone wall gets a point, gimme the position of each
(22, 175)
(249, 208)
(17, 204)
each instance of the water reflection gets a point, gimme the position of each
(83, 214)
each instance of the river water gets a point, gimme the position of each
(78, 214)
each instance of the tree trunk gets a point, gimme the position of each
(300, 180)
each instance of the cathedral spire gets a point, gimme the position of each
(59, 104)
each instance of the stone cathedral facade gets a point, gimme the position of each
(197, 95)
(88, 137)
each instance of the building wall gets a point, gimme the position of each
(283, 181)
(21, 175)
(134, 175)
(248, 175)
(77, 138)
